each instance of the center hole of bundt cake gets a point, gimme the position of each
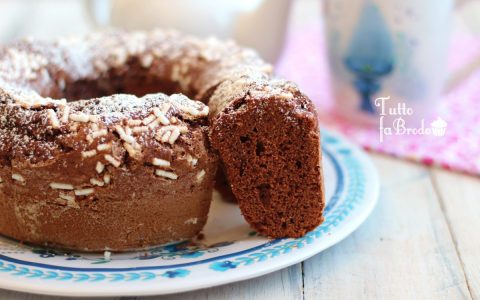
(130, 78)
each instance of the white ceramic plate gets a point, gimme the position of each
(230, 251)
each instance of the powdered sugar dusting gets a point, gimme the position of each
(255, 86)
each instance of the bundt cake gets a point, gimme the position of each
(118, 172)
(83, 170)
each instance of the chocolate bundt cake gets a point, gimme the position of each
(83, 171)
(118, 172)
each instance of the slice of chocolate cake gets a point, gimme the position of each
(266, 132)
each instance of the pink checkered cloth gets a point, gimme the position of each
(303, 61)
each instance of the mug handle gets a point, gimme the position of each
(98, 12)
